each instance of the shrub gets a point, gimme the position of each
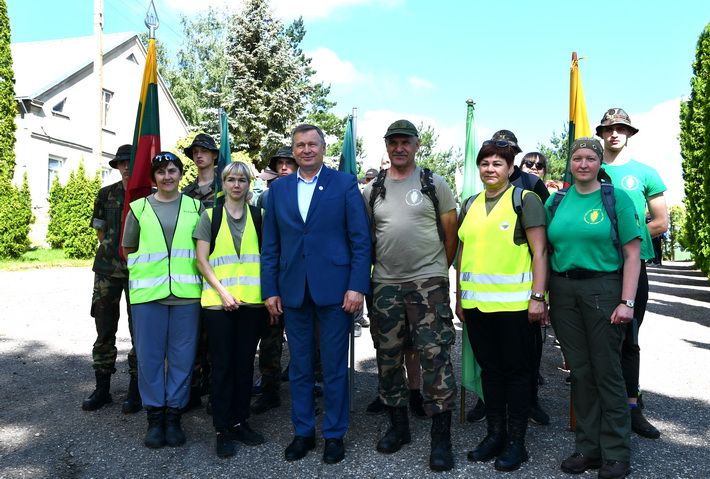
(15, 218)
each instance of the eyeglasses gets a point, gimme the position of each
(538, 164)
(165, 156)
(499, 143)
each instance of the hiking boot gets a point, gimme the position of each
(101, 395)
(376, 406)
(514, 453)
(641, 426)
(155, 435)
(478, 413)
(577, 463)
(174, 437)
(416, 403)
(493, 443)
(243, 433)
(224, 446)
(441, 457)
(614, 470)
(538, 415)
(398, 433)
(132, 404)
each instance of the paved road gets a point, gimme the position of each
(45, 371)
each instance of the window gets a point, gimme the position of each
(106, 97)
(59, 107)
(106, 174)
(132, 58)
(54, 166)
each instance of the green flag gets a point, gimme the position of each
(470, 370)
(347, 157)
(225, 157)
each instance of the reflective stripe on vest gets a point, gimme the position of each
(156, 272)
(496, 274)
(239, 274)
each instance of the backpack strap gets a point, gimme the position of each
(609, 202)
(558, 197)
(426, 177)
(255, 213)
(518, 201)
(216, 222)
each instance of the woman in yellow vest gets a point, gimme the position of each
(235, 315)
(164, 289)
(592, 289)
(501, 284)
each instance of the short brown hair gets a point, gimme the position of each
(303, 127)
(489, 148)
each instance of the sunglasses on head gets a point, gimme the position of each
(499, 143)
(166, 156)
(538, 164)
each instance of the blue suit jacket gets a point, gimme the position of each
(331, 250)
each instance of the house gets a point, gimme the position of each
(57, 119)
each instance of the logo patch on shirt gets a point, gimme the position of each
(504, 226)
(413, 197)
(630, 182)
(594, 216)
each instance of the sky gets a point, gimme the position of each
(421, 60)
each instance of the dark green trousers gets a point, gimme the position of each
(580, 312)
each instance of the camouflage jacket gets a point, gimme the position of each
(108, 209)
(205, 193)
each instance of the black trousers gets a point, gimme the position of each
(537, 341)
(630, 350)
(505, 349)
(232, 347)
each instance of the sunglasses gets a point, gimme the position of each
(166, 156)
(538, 164)
(499, 143)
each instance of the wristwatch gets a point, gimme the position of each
(628, 302)
(537, 296)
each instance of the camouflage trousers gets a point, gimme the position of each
(418, 313)
(105, 309)
(270, 351)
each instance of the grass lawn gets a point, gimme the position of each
(42, 258)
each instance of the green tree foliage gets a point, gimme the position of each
(695, 150)
(444, 163)
(15, 218)
(268, 83)
(70, 210)
(8, 109)
(676, 226)
(556, 152)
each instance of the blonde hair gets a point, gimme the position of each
(237, 168)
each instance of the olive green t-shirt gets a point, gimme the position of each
(580, 232)
(407, 243)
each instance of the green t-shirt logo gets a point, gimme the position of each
(630, 183)
(594, 216)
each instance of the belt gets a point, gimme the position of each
(583, 273)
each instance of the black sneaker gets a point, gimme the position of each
(375, 407)
(538, 415)
(224, 446)
(243, 433)
(641, 426)
(478, 413)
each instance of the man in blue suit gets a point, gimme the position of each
(315, 270)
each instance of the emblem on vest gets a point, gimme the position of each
(594, 216)
(413, 197)
(504, 226)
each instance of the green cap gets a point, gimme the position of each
(402, 127)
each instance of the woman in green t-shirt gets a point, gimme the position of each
(592, 287)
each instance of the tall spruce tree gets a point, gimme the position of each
(268, 80)
(8, 108)
(695, 150)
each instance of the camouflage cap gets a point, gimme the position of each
(508, 136)
(587, 142)
(122, 154)
(402, 127)
(283, 152)
(616, 116)
(205, 141)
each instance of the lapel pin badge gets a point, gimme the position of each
(320, 188)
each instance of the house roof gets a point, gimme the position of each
(38, 66)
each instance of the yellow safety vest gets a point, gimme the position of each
(496, 274)
(154, 271)
(239, 274)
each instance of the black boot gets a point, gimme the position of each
(132, 404)
(494, 442)
(514, 453)
(101, 395)
(155, 435)
(441, 457)
(398, 433)
(174, 436)
(268, 400)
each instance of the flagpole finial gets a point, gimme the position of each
(151, 20)
(470, 102)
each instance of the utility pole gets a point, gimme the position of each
(99, 76)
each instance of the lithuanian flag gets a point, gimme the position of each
(578, 119)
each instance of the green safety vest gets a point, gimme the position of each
(239, 274)
(496, 274)
(156, 271)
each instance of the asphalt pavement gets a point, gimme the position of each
(46, 334)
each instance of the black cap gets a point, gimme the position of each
(205, 141)
(283, 152)
(508, 136)
(122, 154)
